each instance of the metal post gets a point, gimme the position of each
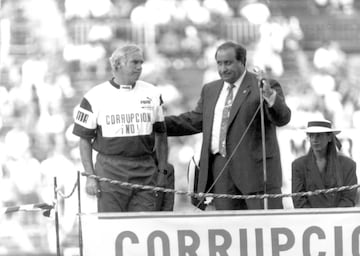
(263, 142)
(79, 215)
(56, 219)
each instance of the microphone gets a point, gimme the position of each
(259, 73)
(262, 82)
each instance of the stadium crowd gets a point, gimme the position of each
(44, 72)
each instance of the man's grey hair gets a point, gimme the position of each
(120, 55)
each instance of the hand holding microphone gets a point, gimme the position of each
(264, 84)
(266, 89)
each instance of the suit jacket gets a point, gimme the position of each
(245, 167)
(306, 177)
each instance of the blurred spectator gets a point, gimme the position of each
(122, 8)
(211, 72)
(256, 12)
(267, 52)
(153, 12)
(59, 164)
(329, 100)
(330, 58)
(330, 82)
(343, 6)
(293, 46)
(336, 6)
(196, 13)
(192, 42)
(87, 8)
(21, 173)
(21, 167)
(220, 7)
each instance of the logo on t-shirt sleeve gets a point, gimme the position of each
(84, 118)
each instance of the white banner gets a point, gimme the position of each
(320, 232)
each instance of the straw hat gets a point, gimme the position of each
(319, 126)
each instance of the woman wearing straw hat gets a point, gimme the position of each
(322, 168)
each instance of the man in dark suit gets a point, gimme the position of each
(228, 115)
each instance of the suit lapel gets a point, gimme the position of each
(210, 99)
(241, 95)
(313, 172)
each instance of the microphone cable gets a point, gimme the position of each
(231, 155)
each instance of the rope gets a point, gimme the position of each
(48, 207)
(61, 194)
(202, 195)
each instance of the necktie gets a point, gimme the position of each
(225, 120)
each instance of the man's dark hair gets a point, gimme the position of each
(240, 51)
